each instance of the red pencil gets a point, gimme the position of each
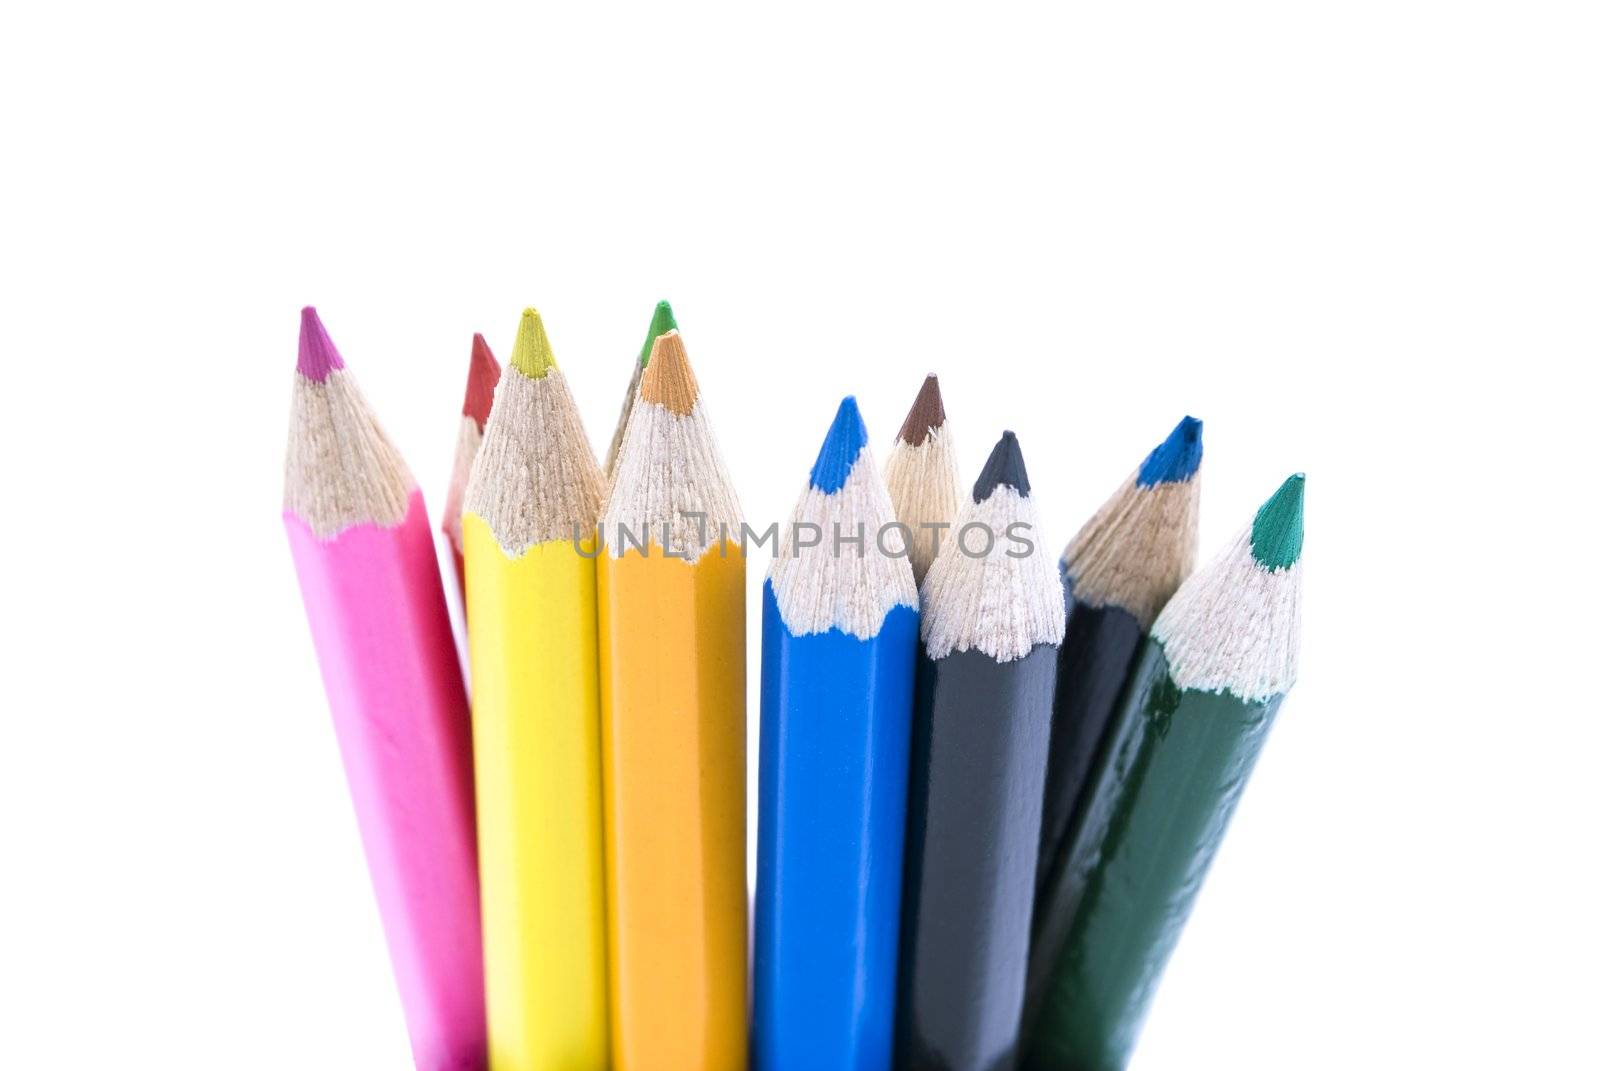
(483, 375)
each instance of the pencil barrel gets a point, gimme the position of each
(1097, 656)
(536, 699)
(673, 737)
(1159, 803)
(376, 605)
(835, 742)
(979, 745)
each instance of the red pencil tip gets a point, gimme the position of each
(482, 376)
(318, 354)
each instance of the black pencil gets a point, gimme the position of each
(993, 618)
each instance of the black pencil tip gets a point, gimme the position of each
(1004, 467)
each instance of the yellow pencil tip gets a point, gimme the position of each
(531, 355)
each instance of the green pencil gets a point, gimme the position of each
(660, 323)
(1187, 732)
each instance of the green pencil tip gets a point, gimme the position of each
(662, 322)
(1279, 529)
(531, 355)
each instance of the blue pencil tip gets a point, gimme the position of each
(846, 439)
(1176, 459)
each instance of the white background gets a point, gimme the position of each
(1358, 239)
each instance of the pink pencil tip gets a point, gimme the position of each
(482, 375)
(318, 354)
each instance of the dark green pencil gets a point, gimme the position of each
(1190, 726)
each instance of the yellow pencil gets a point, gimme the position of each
(535, 712)
(672, 715)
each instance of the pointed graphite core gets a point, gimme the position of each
(846, 439)
(318, 354)
(662, 322)
(1279, 528)
(1003, 467)
(531, 354)
(927, 414)
(668, 380)
(1176, 459)
(482, 375)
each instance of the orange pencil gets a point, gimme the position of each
(672, 709)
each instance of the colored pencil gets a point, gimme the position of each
(1210, 680)
(924, 481)
(483, 372)
(672, 642)
(364, 553)
(528, 532)
(992, 621)
(839, 643)
(1118, 571)
(661, 322)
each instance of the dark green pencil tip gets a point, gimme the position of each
(1279, 529)
(662, 322)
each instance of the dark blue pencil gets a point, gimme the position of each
(1119, 571)
(839, 638)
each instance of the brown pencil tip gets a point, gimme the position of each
(482, 375)
(927, 414)
(668, 380)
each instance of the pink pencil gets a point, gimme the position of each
(364, 552)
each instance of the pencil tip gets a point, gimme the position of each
(531, 354)
(1177, 458)
(660, 323)
(668, 380)
(482, 375)
(1279, 528)
(927, 413)
(318, 354)
(1004, 467)
(844, 443)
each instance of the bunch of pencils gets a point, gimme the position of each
(990, 784)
